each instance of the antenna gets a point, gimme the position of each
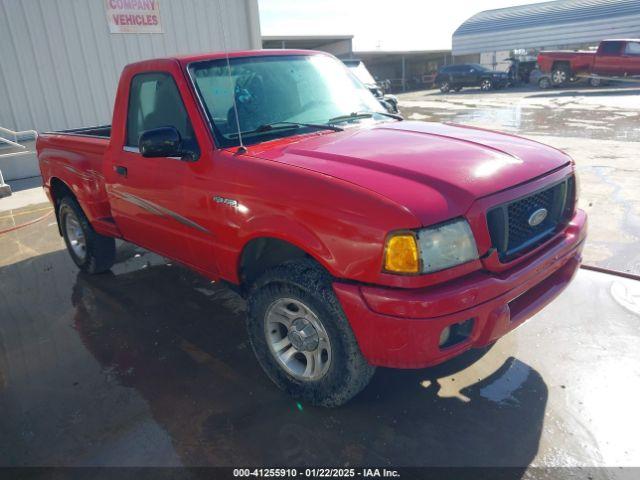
(241, 148)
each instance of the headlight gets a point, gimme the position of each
(446, 245)
(430, 249)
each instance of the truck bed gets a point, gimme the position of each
(102, 131)
(74, 158)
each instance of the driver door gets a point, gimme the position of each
(148, 194)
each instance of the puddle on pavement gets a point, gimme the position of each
(522, 120)
(597, 115)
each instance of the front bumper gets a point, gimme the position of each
(401, 328)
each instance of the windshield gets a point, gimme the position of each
(360, 71)
(310, 89)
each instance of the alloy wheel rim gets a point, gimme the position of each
(486, 85)
(297, 339)
(559, 76)
(75, 235)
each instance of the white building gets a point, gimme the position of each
(61, 60)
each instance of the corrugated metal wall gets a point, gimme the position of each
(59, 65)
(549, 24)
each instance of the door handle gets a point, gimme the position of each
(120, 170)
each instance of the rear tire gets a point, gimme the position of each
(91, 252)
(560, 75)
(486, 84)
(328, 371)
(457, 89)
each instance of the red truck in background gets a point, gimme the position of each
(358, 239)
(613, 58)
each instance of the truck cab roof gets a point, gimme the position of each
(203, 57)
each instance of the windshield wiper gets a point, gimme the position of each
(267, 127)
(356, 115)
(323, 126)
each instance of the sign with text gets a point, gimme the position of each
(134, 16)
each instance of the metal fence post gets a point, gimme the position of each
(5, 190)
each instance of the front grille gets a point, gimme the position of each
(512, 234)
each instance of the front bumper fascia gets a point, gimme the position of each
(401, 328)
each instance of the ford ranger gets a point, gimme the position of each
(358, 239)
(612, 59)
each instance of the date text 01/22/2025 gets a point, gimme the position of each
(316, 473)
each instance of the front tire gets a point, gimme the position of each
(302, 338)
(595, 82)
(444, 86)
(544, 83)
(91, 252)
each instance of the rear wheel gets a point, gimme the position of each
(560, 75)
(486, 84)
(91, 252)
(457, 89)
(302, 338)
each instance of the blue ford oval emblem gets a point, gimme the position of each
(537, 217)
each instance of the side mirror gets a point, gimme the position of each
(160, 142)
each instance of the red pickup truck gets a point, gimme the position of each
(359, 239)
(614, 58)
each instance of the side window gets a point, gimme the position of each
(154, 101)
(610, 48)
(632, 48)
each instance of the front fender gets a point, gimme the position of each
(288, 230)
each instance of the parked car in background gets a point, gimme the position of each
(456, 77)
(539, 78)
(543, 80)
(359, 69)
(612, 59)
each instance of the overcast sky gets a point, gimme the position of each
(375, 24)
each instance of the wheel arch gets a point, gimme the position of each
(561, 63)
(267, 250)
(59, 189)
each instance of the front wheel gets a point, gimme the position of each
(595, 81)
(486, 85)
(302, 338)
(444, 86)
(91, 252)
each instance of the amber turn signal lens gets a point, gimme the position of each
(401, 254)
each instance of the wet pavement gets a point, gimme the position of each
(599, 128)
(150, 365)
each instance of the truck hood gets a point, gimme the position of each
(435, 170)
